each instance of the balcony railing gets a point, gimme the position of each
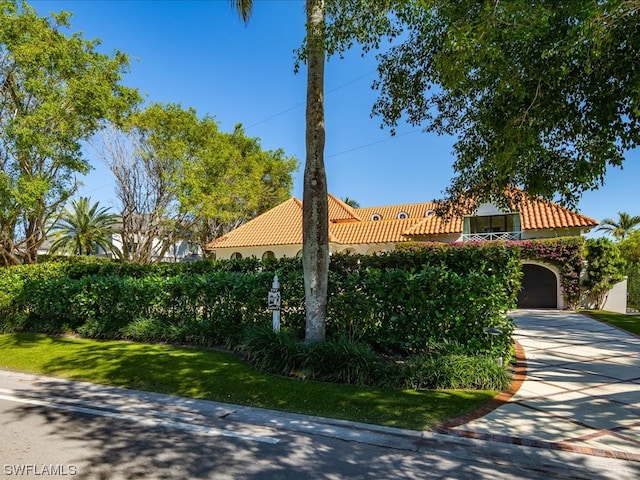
(482, 237)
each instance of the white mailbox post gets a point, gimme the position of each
(274, 303)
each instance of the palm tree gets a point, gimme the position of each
(621, 228)
(82, 229)
(351, 202)
(315, 209)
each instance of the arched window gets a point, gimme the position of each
(428, 213)
(376, 216)
(268, 255)
(403, 215)
(236, 256)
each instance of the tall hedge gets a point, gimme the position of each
(406, 301)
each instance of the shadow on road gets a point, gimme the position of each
(107, 448)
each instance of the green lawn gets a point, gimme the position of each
(223, 377)
(630, 323)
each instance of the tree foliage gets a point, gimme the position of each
(630, 247)
(54, 91)
(179, 177)
(605, 268)
(83, 229)
(630, 251)
(540, 94)
(353, 203)
(232, 181)
(146, 164)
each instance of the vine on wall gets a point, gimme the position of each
(566, 254)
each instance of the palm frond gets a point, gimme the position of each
(244, 9)
(83, 228)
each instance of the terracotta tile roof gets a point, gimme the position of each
(434, 225)
(537, 214)
(340, 211)
(381, 231)
(388, 212)
(282, 225)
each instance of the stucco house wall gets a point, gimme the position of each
(278, 250)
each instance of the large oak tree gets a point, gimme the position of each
(541, 94)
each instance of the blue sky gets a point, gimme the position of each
(199, 54)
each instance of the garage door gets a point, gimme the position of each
(539, 288)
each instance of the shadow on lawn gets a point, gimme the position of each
(181, 371)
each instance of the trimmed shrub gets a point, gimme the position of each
(605, 268)
(452, 372)
(340, 361)
(633, 284)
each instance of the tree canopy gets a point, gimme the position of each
(54, 92)
(233, 180)
(540, 94)
(630, 247)
(179, 177)
(605, 268)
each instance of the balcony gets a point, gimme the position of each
(483, 237)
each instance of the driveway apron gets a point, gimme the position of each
(579, 388)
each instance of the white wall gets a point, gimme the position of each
(248, 252)
(292, 250)
(484, 209)
(616, 300)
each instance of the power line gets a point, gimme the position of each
(303, 103)
(326, 93)
(372, 143)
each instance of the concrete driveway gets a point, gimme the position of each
(578, 389)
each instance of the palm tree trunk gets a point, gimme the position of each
(315, 223)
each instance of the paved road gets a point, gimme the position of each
(106, 433)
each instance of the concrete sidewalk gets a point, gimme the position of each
(579, 389)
